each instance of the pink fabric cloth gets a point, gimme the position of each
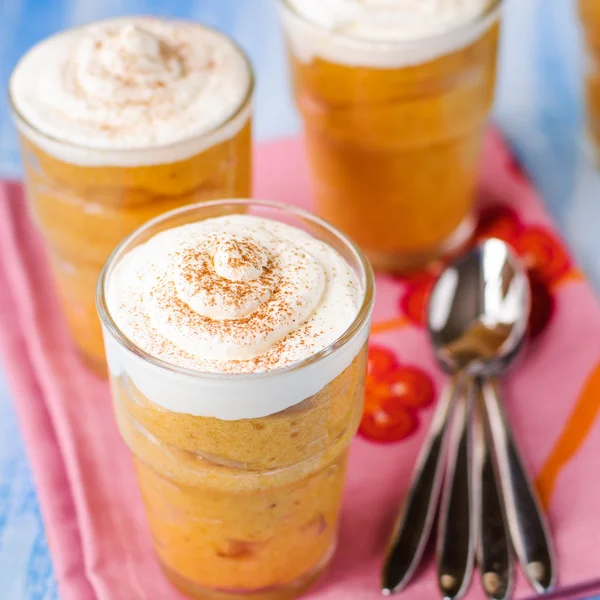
(92, 509)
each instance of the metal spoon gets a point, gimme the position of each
(459, 330)
(452, 305)
(414, 522)
(455, 542)
(479, 311)
(493, 545)
(457, 517)
(528, 527)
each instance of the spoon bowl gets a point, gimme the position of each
(479, 310)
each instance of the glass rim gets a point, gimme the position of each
(358, 322)
(490, 13)
(18, 116)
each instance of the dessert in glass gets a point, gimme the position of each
(395, 97)
(589, 13)
(236, 336)
(120, 121)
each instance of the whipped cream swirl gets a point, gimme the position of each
(233, 294)
(127, 66)
(401, 32)
(131, 84)
(391, 20)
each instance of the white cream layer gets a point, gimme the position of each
(131, 91)
(383, 33)
(233, 295)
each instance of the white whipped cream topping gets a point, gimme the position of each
(233, 294)
(383, 33)
(131, 91)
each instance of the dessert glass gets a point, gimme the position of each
(589, 13)
(394, 137)
(86, 200)
(247, 507)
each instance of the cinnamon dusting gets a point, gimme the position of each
(226, 302)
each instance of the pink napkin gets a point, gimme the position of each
(84, 477)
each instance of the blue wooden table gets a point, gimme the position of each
(538, 107)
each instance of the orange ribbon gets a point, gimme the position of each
(572, 436)
(389, 325)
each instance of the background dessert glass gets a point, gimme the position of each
(86, 198)
(244, 507)
(394, 131)
(589, 13)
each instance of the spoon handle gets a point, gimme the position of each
(412, 528)
(455, 543)
(493, 547)
(527, 525)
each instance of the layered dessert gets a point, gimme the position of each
(589, 12)
(237, 350)
(395, 96)
(122, 120)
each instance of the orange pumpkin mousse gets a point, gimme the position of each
(237, 352)
(589, 12)
(120, 121)
(395, 99)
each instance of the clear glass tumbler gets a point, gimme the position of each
(243, 508)
(394, 132)
(85, 206)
